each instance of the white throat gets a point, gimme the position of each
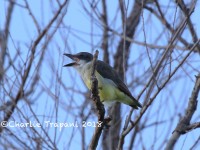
(83, 67)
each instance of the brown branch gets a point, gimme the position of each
(149, 45)
(145, 107)
(131, 24)
(192, 127)
(184, 124)
(186, 11)
(178, 32)
(98, 104)
(3, 42)
(32, 16)
(121, 56)
(105, 32)
(164, 21)
(27, 70)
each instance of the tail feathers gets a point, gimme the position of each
(136, 104)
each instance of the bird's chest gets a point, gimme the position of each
(85, 72)
(86, 78)
(105, 86)
(106, 89)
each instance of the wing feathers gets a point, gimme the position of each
(108, 72)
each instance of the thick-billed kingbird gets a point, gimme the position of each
(111, 87)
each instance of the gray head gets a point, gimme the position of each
(79, 58)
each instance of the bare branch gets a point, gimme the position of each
(186, 11)
(105, 32)
(184, 124)
(144, 109)
(4, 37)
(98, 104)
(27, 70)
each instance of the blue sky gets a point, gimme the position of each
(23, 31)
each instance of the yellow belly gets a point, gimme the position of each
(108, 90)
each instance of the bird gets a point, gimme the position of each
(110, 85)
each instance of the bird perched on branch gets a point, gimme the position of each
(111, 87)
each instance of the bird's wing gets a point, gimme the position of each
(108, 72)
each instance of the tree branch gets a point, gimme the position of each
(4, 36)
(145, 107)
(27, 70)
(104, 44)
(98, 104)
(184, 124)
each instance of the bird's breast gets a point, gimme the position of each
(107, 88)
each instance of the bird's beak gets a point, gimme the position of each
(73, 57)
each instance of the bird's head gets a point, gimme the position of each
(79, 58)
